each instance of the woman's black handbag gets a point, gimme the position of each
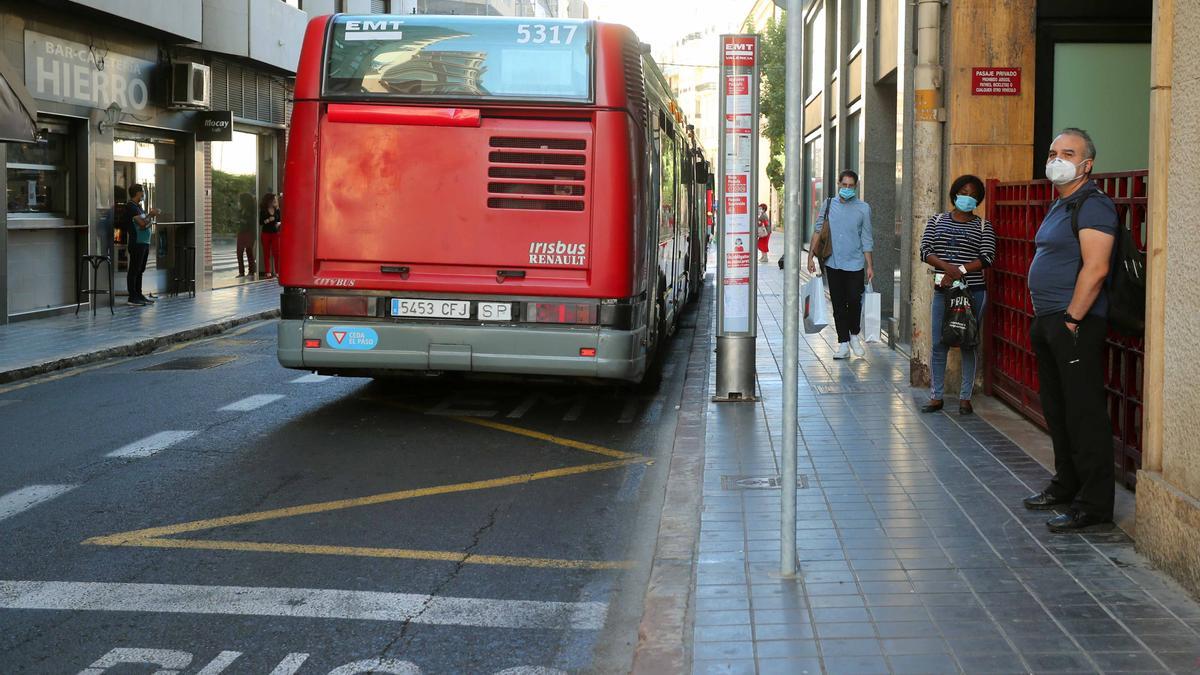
(959, 327)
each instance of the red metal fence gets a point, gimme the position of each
(1015, 211)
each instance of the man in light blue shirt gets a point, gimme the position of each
(849, 224)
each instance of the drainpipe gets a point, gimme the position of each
(1156, 235)
(929, 116)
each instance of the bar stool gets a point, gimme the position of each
(96, 261)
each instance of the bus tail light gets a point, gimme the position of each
(312, 343)
(587, 351)
(562, 312)
(340, 305)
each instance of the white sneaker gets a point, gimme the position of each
(856, 346)
(843, 351)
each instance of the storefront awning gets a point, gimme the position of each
(17, 109)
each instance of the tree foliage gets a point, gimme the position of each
(226, 191)
(772, 97)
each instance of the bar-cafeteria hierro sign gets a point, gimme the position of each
(66, 71)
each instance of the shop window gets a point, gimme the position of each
(814, 154)
(814, 44)
(1091, 85)
(853, 23)
(853, 124)
(38, 177)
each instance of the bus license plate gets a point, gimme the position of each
(431, 309)
(495, 311)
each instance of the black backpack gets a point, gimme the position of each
(1126, 277)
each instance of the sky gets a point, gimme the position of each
(662, 22)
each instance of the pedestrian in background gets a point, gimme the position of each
(764, 233)
(137, 249)
(1067, 277)
(247, 233)
(849, 223)
(269, 219)
(959, 245)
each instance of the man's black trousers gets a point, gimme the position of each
(139, 255)
(1071, 375)
(846, 293)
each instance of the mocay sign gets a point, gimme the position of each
(214, 125)
(70, 72)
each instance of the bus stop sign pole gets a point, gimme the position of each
(791, 289)
(737, 188)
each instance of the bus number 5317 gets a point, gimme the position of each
(537, 34)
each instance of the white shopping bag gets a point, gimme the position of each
(814, 307)
(871, 318)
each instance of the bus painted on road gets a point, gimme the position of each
(485, 194)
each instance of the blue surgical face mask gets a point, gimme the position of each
(847, 193)
(965, 203)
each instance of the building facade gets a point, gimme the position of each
(105, 121)
(100, 74)
(854, 60)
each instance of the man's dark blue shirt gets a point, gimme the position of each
(1057, 261)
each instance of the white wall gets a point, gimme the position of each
(177, 17)
(267, 31)
(276, 33)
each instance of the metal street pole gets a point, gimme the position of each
(793, 147)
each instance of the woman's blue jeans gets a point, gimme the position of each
(937, 361)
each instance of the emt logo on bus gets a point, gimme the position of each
(557, 253)
(374, 30)
(358, 338)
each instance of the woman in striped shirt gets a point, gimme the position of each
(958, 245)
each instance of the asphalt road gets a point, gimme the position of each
(244, 518)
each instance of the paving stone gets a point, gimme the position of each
(923, 664)
(914, 549)
(739, 632)
(724, 650)
(855, 665)
(723, 667)
(786, 649)
(789, 666)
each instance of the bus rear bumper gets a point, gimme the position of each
(526, 350)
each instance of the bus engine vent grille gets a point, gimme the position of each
(635, 84)
(548, 176)
(540, 143)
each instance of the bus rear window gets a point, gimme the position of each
(459, 57)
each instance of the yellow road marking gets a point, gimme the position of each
(520, 431)
(152, 537)
(373, 552)
(126, 538)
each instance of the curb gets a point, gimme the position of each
(664, 634)
(138, 348)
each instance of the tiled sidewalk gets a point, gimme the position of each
(915, 553)
(30, 347)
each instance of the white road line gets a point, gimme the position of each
(311, 378)
(290, 664)
(313, 603)
(28, 497)
(252, 402)
(152, 445)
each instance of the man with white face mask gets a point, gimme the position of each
(1067, 285)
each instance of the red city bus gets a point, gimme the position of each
(484, 194)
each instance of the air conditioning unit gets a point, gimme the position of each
(191, 84)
